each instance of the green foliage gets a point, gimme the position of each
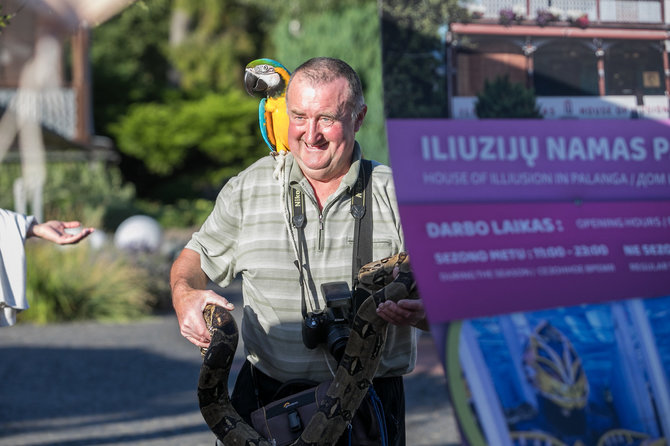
(96, 195)
(224, 35)
(176, 109)
(8, 173)
(299, 8)
(357, 26)
(77, 283)
(85, 191)
(181, 214)
(128, 60)
(129, 66)
(217, 134)
(413, 34)
(501, 98)
(88, 192)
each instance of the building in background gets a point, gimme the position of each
(45, 90)
(585, 59)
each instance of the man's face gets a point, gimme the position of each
(321, 127)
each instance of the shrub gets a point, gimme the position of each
(89, 192)
(218, 134)
(96, 195)
(66, 283)
(501, 98)
(184, 213)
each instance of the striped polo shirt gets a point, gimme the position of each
(249, 234)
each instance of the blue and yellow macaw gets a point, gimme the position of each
(268, 78)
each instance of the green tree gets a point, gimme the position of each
(129, 66)
(167, 82)
(501, 98)
(174, 106)
(216, 40)
(128, 61)
(414, 57)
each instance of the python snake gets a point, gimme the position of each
(387, 279)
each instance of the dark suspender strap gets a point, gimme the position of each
(362, 212)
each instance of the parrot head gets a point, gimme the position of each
(266, 78)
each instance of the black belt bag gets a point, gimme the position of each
(283, 420)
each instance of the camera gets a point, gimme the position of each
(330, 326)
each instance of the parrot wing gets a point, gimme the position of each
(269, 79)
(268, 136)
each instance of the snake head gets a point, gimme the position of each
(215, 317)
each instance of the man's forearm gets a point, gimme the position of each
(190, 296)
(186, 273)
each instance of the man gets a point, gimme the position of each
(250, 233)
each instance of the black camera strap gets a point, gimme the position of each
(360, 210)
(299, 221)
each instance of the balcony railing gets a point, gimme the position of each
(53, 108)
(641, 12)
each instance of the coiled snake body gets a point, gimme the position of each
(387, 279)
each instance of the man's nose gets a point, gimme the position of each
(312, 132)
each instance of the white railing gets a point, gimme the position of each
(598, 11)
(54, 108)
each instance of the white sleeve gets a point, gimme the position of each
(13, 230)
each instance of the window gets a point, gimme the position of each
(633, 67)
(565, 68)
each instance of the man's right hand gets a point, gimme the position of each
(190, 296)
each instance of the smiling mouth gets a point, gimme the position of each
(321, 146)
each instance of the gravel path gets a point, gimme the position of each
(135, 383)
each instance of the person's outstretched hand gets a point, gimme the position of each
(55, 231)
(404, 312)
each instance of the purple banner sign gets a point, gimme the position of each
(486, 259)
(439, 161)
(513, 215)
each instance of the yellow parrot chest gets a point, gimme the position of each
(277, 122)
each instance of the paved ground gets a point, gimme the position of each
(135, 383)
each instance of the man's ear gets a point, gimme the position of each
(359, 117)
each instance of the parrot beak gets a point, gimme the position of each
(253, 84)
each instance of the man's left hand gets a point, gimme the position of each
(404, 312)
